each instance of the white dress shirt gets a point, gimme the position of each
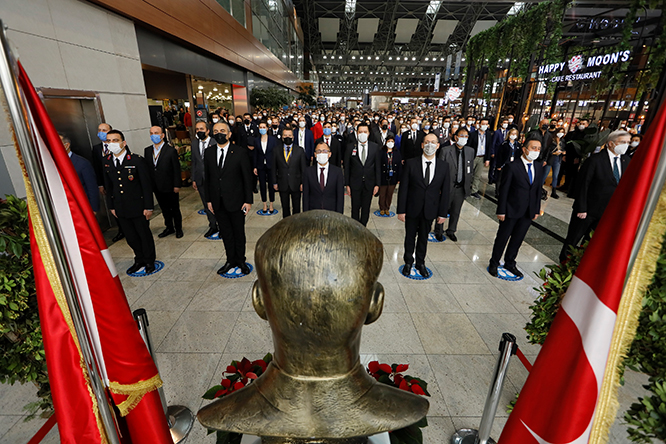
(527, 168)
(222, 149)
(424, 165)
(301, 137)
(121, 157)
(612, 161)
(203, 144)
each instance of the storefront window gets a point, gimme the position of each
(236, 8)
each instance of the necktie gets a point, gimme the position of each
(427, 174)
(106, 149)
(117, 163)
(201, 148)
(363, 154)
(327, 142)
(288, 151)
(459, 179)
(220, 161)
(413, 135)
(616, 171)
(322, 183)
(529, 172)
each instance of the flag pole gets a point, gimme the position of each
(34, 169)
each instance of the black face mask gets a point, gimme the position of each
(288, 140)
(544, 127)
(247, 121)
(220, 138)
(274, 126)
(384, 127)
(552, 126)
(201, 135)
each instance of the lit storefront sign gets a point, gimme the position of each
(569, 70)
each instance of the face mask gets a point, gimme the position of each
(513, 137)
(216, 120)
(101, 136)
(470, 122)
(544, 127)
(288, 140)
(484, 127)
(462, 141)
(363, 137)
(334, 129)
(390, 145)
(429, 149)
(427, 127)
(263, 131)
(327, 131)
(247, 121)
(634, 144)
(264, 114)
(376, 118)
(201, 135)
(404, 129)
(560, 135)
(274, 126)
(115, 148)
(231, 119)
(621, 148)
(268, 122)
(322, 158)
(301, 124)
(454, 129)
(415, 126)
(552, 126)
(390, 119)
(401, 121)
(231, 122)
(532, 155)
(581, 127)
(447, 124)
(434, 126)
(220, 138)
(384, 127)
(505, 125)
(462, 124)
(322, 118)
(510, 119)
(155, 138)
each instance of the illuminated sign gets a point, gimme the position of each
(578, 63)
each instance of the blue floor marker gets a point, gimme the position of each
(202, 212)
(236, 272)
(415, 274)
(506, 275)
(267, 213)
(391, 214)
(431, 238)
(215, 236)
(142, 271)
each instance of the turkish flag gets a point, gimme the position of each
(558, 401)
(126, 366)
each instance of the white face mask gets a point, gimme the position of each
(362, 137)
(322, 158)
(621, 148)
(560, 135)
(532, 155)
(390, 145)
(269, 123)
(470, 123)
(483, 127)
(301, 124)
(115, 148)
(376, 118)
(322, 118)
(462, 141)
(390, 119)
(510, 119)
(429, 149)
(415, 126)
(404, 129)
(505, 125)
(634, 144)
(334, 129)
(454, 129)
(446, 124)
(513, 136)
(581, 127)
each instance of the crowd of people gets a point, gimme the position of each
(313, 158)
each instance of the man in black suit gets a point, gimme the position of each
(323, 183)
(164, 166)
(519, 203)
(423, 196)
(99, 153)
(228, 174)
(333, 143)
(199, 146)
(362, 174)
(129, 196)
(85, 172)
(382, 133)
(597, 181)
(289, 165)
(482, 142)
(411, 141)
(244, 137)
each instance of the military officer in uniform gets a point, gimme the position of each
(129, 196)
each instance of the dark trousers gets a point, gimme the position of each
(361, 198)
(232, 231)
(578, 229)
(139, 238)
(212, 222)
(457, 199)
(264, 181)
(513, 231)
(492, 177)
(416, 232)
(385, 197)
(170, 206)
(295, 197)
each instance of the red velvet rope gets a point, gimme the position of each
(43, 431)
(522, 358)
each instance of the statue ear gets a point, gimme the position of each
(376, 304)
(258, 301)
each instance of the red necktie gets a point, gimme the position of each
(327, 143)
(322, 184)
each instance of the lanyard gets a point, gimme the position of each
(156, 156)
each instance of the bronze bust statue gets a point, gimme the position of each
(317, 286)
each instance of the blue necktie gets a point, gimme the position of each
(616, 171)
(529, 172)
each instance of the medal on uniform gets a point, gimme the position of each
(130, 177)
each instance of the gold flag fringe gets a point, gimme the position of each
(627, 321)
(134, 392)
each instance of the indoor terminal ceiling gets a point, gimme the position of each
(389, 45)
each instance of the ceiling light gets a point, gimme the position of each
(353, 57)
(390, 58)
(413, 59)
(324, 57)
(340, 57)
(200, 87)
(427, 59)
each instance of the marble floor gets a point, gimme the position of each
(446, 328)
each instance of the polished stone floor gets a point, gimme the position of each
(446, 328)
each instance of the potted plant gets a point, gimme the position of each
(185, 160)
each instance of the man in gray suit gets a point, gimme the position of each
(460, 159)
(199, 145)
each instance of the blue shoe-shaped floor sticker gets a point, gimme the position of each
(202, 212)
(215, 236)
(378, 214)
(506, 275)
(236, 272)
(267, 213)
(432, 238)
(142, 271)
(415, 274)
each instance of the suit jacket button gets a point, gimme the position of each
(121, 192)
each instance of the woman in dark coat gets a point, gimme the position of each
(391, 170)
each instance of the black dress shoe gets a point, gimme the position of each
(210, 232)
(118, 237)
(225, 268)
(244, 268)
(407, 270)
(492, 269)
(513, 270)
(554, 195)
(166, 232)
(134, 268)
(150, 268)
(439, 237)
(179, 234)
(452, 236)
(423, 271)
(476, 195)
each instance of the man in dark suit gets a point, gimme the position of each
(129, 196)
(362, 174)
(382, 133)
(85, 172)
(264, 146)
(99, 153)
(519, 203)
(323, 183)
(333, 143)
(482, 141)
(423, 196)
(411, 141)
(164, 166)
(289, 165)
(597, 181)
(199, 146)
(244, 136)
(228, 174)
(305, 139)
(499, 136)
(460, 159)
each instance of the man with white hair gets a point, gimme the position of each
(597, 181)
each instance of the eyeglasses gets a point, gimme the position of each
(322, 152)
